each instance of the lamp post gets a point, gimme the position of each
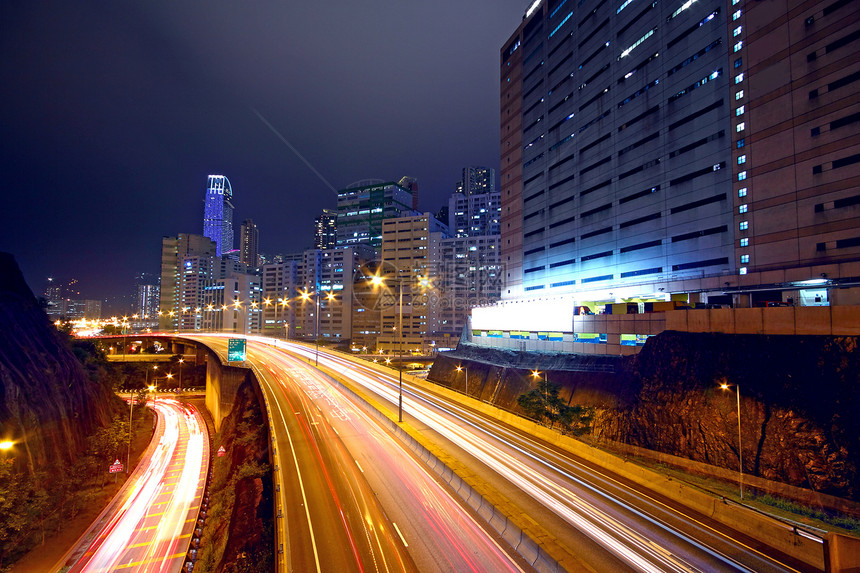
(130, 415)
(466, 369)
(181, 360)
(725, 386)
(536, 375)
(378, 281)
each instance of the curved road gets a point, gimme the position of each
(148, 525)
(352, 497)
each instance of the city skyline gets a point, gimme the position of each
(115, 117)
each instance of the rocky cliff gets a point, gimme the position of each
(49, 401)
(239, 532)
(799, 399)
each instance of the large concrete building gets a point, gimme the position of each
(410, 259)
(702, 151)
(249, 244)
(175, 251)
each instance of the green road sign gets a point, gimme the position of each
(235, 350)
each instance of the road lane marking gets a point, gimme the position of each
(301, 487)
(400, 534)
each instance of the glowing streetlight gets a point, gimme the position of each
(725, 386)
(181, 360)
(378, 281)
(6, 445)
(466, 370)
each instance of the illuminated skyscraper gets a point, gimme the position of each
(218, 213)
(476, 181)
(249, 243)
(325, 230)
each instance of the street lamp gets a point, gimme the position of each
(536, 375)
(181, 360)
(725, 386)
(466, 370)
(379, 281)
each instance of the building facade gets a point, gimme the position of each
(218, 213)
(476, 181)
(409, 266)
(364, 205)
(474, 214)
(704, 151)
(249, 244)
(469, 275)
(325, 230)
(174, 295)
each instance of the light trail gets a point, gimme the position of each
(155, 512)
(544, 482)
(336, 432)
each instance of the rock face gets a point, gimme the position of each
(48, 401)
(800, 399)
(239, 532)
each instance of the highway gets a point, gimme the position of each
(599, 522)
(351, 496)
(148, 526)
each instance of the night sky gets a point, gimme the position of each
(112, 114)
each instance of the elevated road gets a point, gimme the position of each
(350, 496)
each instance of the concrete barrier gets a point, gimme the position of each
(843, 554)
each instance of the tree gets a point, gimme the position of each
(542, 402)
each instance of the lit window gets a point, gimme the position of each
(742, 192)
(738, 46)
(743, 208)
(636, 43)
(742, 159)
(736, 15)
(745, 259)
(741, 126)
(740, 111)
(739, 62)
(743, 270)
(744, 225)
(740, 143)
(745, 242)
(739, 78)
(739, 95)
(734, 3)
(737, 31)
(742, 175)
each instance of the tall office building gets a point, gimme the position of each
(147, 300)
(684, 147)
(218, 213)
(249, 244)
(185, 259)
(474, 215)
(364, 205)
(410, 261)
(795, 101)
(476, 181)
(325, 230)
